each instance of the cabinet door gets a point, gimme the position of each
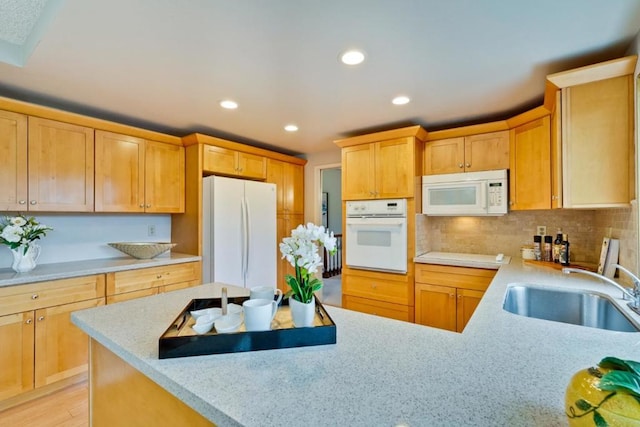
(13, 152)
(444, 156)
(435, 306)
(358, 172)
(394, 163)
(16, 357)
(530, 166)
(164, 178)
(378, 308)
(119, 173)
(61, 166)
(285, 223)
(61, 347)
(276, 175)
(219, 160)
(251, 165)
(468, 300)
(487, 151)
(289, 181)
(597, 143)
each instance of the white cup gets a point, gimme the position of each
(258, 314)
(266, 292)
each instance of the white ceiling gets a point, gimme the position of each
(165, 65)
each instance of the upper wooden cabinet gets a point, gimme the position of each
(13, 151)
(530, 165)
(487, 151)
(596, 130)
(289, 180)
(382, 165)
(48, 165)
(223, 161)
(137, 175)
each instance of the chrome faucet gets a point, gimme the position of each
(631, 294)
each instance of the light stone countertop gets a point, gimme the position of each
(503, 370)
(65, 270)
(462, 260)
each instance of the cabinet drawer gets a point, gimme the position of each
(112, 299)
(153, 277)
(385, 290)
(14, 299)
(459, 277)
(378, 308)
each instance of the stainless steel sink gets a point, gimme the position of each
(575, 307)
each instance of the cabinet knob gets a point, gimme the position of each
(148, 206)
(459, 296)
(33, 202)
(141, 205)
(554, 197)
(452, 295)
(28, 322)
(374, 286)
(159, 276)
(468, 165)
(460, 165)
(40, 319)
(22, 202)
(511, 202)
(34, 296)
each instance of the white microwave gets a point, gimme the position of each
(482, 193)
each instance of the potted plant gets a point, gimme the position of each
(605, 395)
(301, 251)
(20, 233)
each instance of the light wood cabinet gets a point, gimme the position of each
(40, 344)
(446, 296)
(289, 180)
(138, 175)
(382, 294)
(130, 284)
(285, 223)
(13, 151)
(530, 166)
(379, 170)
(488, 151)
(60, 167)
(596, 126)
(223, 161)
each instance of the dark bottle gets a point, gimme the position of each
(564, 251)
(557, 245)
(548, 252)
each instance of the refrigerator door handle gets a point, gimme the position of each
(243, 233)
(247, 237)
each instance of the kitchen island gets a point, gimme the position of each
(503, 370)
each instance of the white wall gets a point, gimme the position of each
(77, 237)
(311, 204)
(332, 185)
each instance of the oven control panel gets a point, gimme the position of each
(386, 207)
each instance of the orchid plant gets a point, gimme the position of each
(301, 251)
(20, 231)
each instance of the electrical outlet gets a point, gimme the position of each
(541, 230)
(151, 231)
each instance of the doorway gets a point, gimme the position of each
(328, 212)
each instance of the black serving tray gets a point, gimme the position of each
(179, 340)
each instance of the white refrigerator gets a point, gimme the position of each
(239, 226)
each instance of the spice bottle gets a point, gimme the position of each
(557, 245)
(564, 251)
(537, 250)
(548, 252)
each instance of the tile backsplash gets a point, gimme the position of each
(506, 234)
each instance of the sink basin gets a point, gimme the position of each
(560, 305)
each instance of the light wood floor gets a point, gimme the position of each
(66, 408)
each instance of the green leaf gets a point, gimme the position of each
(620, 365)
(583, 405)
(598, 420)
(621, 380)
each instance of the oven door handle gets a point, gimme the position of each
(376, 222)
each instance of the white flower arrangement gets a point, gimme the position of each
(19, 231)
(301, 251)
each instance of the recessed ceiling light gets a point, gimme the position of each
(291, 128)
(229, 104)
(400, 100)
(352, 57)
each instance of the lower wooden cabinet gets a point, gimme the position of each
(382, 294)
(446, 296)
(40, 345)
(130, 284)
(285, 223)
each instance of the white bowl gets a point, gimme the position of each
(203, 324)
(229, 323)
(215, 311)
(142, 250)
(234, 308)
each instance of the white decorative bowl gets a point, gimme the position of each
(142, 250)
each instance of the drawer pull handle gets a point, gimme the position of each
(34, 296)
(33, 202)
(40, 319)
(159, 276)
(22, 202)
(28, 322)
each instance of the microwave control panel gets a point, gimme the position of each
(496, 194)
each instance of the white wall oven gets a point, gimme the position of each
(376, 235)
